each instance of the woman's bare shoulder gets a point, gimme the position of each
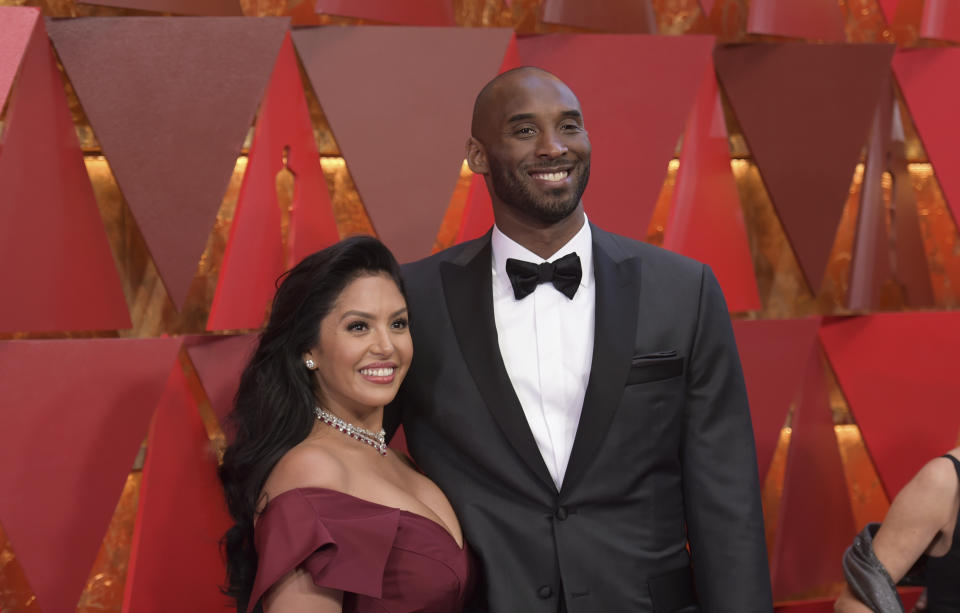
(309, 464)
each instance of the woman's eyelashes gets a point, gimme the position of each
(360, 326)
(357, 326)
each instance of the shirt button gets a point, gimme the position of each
(561, 513)
(545, 591)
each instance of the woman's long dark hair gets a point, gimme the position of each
(273, 409)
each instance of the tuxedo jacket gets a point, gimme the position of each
(663, 455)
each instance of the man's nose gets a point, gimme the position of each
(550, 145)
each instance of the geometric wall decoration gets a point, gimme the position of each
(179, 7)
(816, 520)
(56, 268)
(889, 8)
(706, 221)
(16, 26)
(175, 561)
(941, 20)
(898, 372)
(478, 209)
(621, 16)
(66, 448)
(928, 81)
(774, 354)
(219, 360)
(419, 13)
(912, 268)
(820, 605)
(171, 117)
(401, 125)
(271, 232)
(805, 111)
(636, 93)
(477, 212)
(870, 265)
(810, 19)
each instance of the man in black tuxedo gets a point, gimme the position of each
(577, 394)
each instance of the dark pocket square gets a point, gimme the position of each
(654, 367)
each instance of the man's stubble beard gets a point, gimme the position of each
(516, 194)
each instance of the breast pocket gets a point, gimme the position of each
(655, 367)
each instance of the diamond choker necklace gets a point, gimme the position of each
(377, 440)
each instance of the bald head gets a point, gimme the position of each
(495, 97)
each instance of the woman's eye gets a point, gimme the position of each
(356, 326)
(399, 324)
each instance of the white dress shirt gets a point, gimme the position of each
(546, 341)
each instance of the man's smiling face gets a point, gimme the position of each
(536, 148)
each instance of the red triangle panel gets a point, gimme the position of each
(621, 16)
(820, 605)
(219, 360)
(636, 93)
(805, 111)
(941, 20)
(773, 353)
(706, 221)
(418, 13)
(870, 257)
(912, 268)
(889, 8)
(254, 257)
(898, 372)
(229, 8)
(399, 102)
(928, 80)
(814, 19)
(54, 256)
(80, 435)
(816, 521)
(175, 556)
(478, 210)
(16, 26)
(171, 117)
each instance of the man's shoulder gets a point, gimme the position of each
(622, 247)
(459, 253)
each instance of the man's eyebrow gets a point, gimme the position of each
(520, 117)
(572, 113)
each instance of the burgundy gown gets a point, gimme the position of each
(382, 558)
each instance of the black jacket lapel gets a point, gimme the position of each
(467, 289)
(617, 279)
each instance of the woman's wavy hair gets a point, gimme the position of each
(273, 408)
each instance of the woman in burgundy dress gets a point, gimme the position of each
(327, 517)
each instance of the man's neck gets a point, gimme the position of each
(543, 240)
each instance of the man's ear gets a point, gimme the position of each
(477, 157)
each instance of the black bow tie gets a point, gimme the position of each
(564, 273)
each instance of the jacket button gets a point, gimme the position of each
(545, 591)
(561, 513)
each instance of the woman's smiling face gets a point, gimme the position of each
(364, 348)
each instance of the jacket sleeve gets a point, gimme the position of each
(720, 484)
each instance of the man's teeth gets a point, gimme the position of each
(552, 176)
(377, 372)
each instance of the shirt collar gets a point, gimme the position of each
(504, 247)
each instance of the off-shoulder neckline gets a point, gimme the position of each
(411, 514)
